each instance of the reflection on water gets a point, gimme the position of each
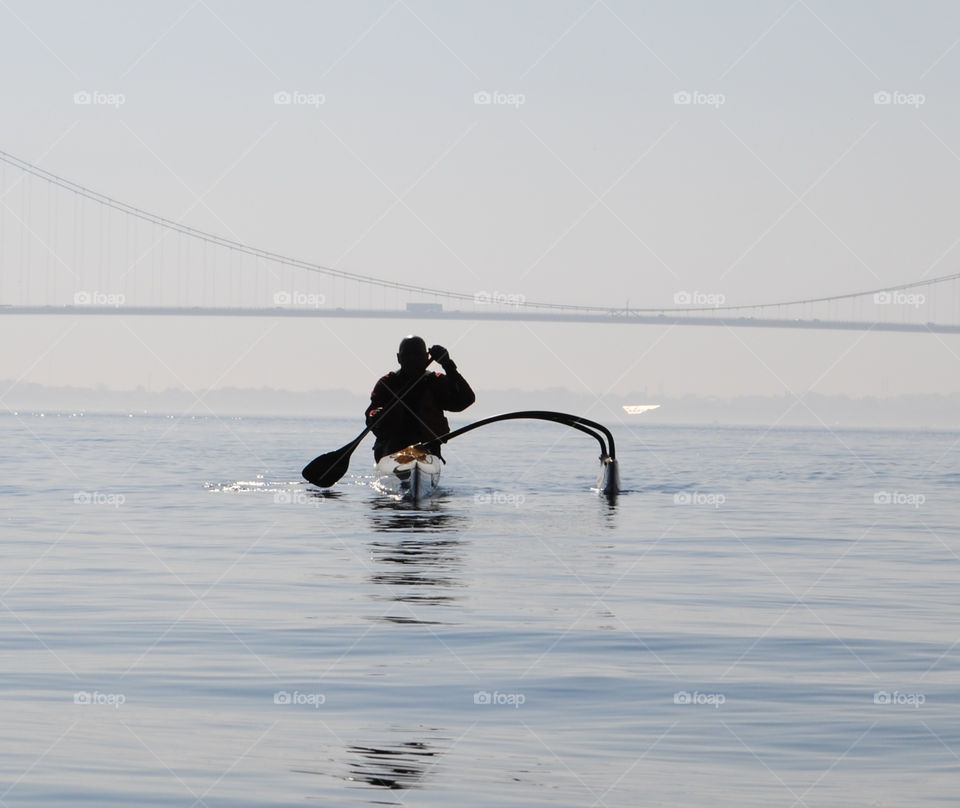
(387, 764)
(421, 571)
(417, 571)
(388, 516)
(610, 511)
(283, 492)
(395, 618)
(395, 766)
(324, 493)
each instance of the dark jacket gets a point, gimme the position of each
(418, 417)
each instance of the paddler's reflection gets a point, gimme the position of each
(417, 571)
(390, 516)
(395, 766)
(315, 495)
(422, 570)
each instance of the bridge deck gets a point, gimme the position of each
(624, 318)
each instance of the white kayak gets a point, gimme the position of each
(410, 475)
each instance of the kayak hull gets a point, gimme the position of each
(410, 475)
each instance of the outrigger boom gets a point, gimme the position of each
(608, 481)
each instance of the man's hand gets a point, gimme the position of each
(439, 354)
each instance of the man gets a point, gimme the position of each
(406, 405)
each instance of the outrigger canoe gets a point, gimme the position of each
(413, 474)
(410, 475)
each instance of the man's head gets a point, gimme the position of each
(412, 355)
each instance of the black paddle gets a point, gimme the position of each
(325, 470)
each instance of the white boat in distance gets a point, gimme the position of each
(639, 409)
(410, 475)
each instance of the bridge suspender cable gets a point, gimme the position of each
(212, 238)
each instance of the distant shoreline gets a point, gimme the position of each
(812, 410)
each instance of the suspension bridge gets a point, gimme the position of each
(66, 249)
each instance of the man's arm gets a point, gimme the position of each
(455, 393)
(458, 395)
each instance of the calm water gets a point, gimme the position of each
(752, 624)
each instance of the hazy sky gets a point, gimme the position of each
(584, 182)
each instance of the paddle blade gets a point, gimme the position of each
(325, 470)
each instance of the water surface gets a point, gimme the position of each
(765, 617)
